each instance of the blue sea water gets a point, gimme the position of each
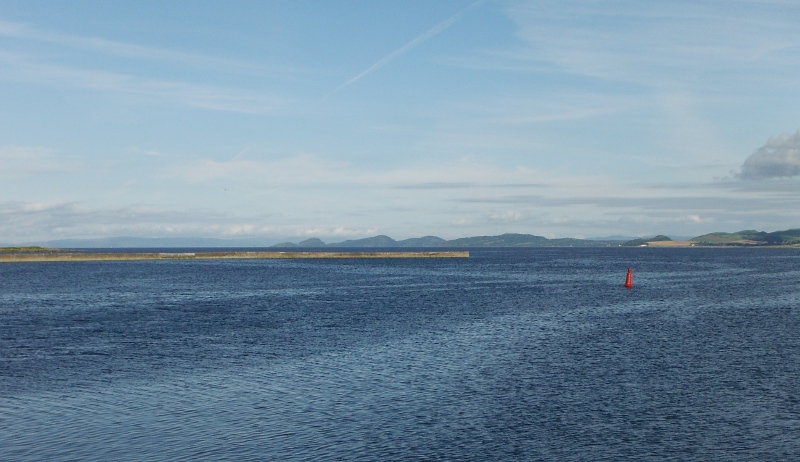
(517, 354)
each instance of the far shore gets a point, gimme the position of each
(728, 245)
(55, 255)
(673, 244)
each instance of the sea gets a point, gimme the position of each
(536, 354)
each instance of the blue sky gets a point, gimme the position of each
(338, 120)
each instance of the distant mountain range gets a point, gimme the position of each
(382, 241)
(746, 237)
(504, 240)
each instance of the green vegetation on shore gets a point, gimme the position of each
(644, 240)
(522, 240)
(30, 248)
(751, 237)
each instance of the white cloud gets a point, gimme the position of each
(22, 161)
(779, 157)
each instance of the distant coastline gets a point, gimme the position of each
(70, 256)
(746, 238)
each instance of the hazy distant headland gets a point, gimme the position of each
(742, 238)
(503, 240)
(746, 238)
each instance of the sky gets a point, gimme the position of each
(286, 120)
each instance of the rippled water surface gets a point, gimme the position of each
(535, 354)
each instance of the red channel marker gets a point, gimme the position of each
(629, 279)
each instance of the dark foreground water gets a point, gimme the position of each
(536, 354)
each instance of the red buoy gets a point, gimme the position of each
(629, 279)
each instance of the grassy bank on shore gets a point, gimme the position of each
(30, 248)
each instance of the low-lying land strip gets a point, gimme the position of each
(28, 248)
(88, 256)
(670, 244)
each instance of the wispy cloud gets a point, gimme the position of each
(31, 221)
(24, 31)
(303, 170)
(44, 68)
(674, 203)
(23, 69)
(654, 44)
(20, 161)
(297, 170)
(577, 114)
(24, 222)
(438, 185)
(312, 197)
(408, 46)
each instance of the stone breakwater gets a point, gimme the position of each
(88, 256)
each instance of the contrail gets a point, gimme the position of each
(408, 46)
(240, 154)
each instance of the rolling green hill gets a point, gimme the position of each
(645, 240)
(751, 237)
(523, 240)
